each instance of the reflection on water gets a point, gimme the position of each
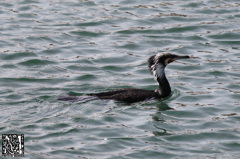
(161, 132)
(162, 106)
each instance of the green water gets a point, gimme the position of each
(51, 48)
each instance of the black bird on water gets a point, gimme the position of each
(156, 64)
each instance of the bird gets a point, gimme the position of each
(156, 64)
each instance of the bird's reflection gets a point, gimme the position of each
(159, 118)
(162, 106)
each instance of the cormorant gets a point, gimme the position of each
(156, 64)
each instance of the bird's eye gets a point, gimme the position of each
(170, 60)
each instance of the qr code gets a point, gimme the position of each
(13, 145)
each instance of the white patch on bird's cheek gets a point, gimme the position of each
(166, 61)
(157, 71)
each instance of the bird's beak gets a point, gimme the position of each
(177, 57)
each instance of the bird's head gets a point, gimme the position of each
(164, 59)
(157, 63)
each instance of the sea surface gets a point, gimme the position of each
(51, 48)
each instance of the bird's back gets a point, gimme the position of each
(128, 95)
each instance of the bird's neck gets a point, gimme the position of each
(164, 87)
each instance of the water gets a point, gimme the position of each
(52, 48)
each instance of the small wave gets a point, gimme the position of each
(83, 98)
